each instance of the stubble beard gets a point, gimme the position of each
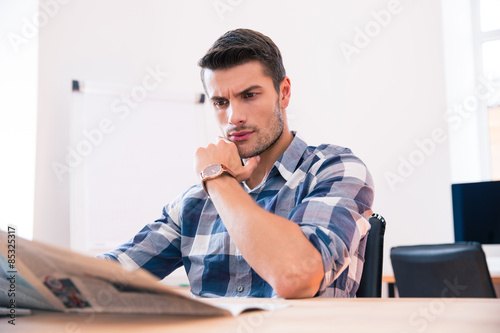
(269, 139)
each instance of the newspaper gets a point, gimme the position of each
(35, 275)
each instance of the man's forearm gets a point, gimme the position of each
(273, 246)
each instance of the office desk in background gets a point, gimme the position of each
(308, 315)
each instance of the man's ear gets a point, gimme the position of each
(285, 92)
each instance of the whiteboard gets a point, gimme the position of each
(126, 164)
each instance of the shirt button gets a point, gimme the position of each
(240, 289)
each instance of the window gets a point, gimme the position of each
(486, 29)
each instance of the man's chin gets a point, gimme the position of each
(244, 154)
(247, 150)
(250, 154)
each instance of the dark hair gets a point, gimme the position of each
(237, 47)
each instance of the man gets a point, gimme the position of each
(271, 216)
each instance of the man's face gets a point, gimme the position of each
(247, 107)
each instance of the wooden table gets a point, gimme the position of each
(309, 315)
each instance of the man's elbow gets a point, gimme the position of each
(297, 287)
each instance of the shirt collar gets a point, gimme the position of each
(289, 161)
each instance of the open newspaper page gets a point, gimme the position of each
(57, 279)
(13, 287)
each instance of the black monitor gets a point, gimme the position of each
(476, 212)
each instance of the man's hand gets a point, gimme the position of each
(225, 152)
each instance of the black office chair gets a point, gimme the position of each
(442, 270)
(371, 279)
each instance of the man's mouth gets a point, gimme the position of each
(240, 135)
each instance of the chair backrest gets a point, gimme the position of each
(442, 270)
(371, 279)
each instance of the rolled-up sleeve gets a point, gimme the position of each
(156, 247)
(334, 215)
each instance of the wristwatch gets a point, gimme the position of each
(213, 171)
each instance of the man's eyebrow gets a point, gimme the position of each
(217, 98)
(241, 93)
(247, 90)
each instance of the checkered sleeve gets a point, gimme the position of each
(156, 247)
(334, 214)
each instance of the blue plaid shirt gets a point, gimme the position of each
(326, 190)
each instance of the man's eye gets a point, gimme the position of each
(220, 103)
(250, 95)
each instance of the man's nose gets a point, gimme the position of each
(236, 115)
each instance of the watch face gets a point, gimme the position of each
(212, 170)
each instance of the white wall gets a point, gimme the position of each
(18, 105)
(384, 104)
